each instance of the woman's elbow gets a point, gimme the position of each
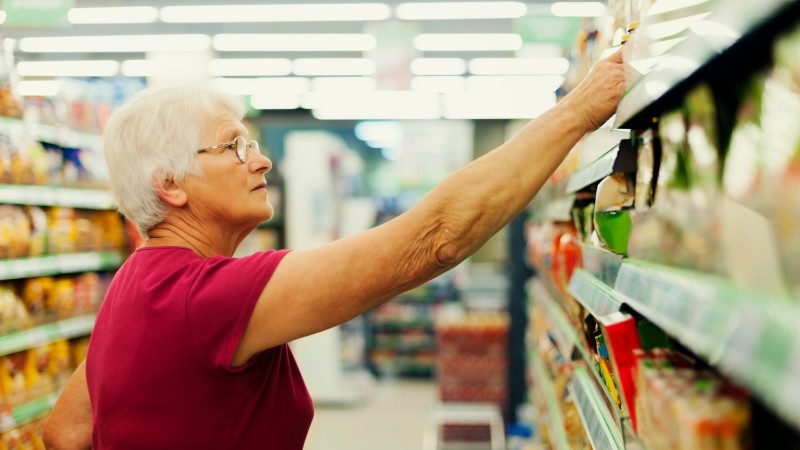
(57, 437)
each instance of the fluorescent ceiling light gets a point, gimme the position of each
(487, 105)
(438, 66)
(116, 43)
(293, 42)
(578, 9)
(138, 68)
(521, 83)
(249, 67)
(276, 13)
(669, 28)
(263, 86)
(276, 100)
(460, 10)
(438, 84)
(379, 131)
(98, 68)
(468, 42)
(125, 14)
(333, 66)
(38, 88)
(663, 6)
(343, 84)
(519, 66)
(374, 105)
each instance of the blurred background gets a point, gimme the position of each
(645, 299)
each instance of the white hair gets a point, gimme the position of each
(154, 136)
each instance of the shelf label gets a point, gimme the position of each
(79, 262)
(84, 198)
(593, 294)
(596, 425)
(77, 326)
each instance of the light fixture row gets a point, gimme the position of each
(255, 67)
(278, 42)
(320, 87)
(323, 12)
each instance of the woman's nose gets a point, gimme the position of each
(260, 164)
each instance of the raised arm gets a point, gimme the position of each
(70, 424)
(313, 290)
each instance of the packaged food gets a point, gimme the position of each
(12, 378)
(60, 363)
(87, 293)
(79, 348)
(38, 231)
(13, 315)
(61, 301)
(37, 376)
(62, 230)
(35, 294)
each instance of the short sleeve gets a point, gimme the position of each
(221, 301)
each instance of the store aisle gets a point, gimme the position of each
(393, 418)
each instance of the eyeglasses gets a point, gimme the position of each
(239, 145)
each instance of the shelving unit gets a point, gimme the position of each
(47, 333)
(544, 385)
(51, 264)
(58, 135)
(751, 338)
(56, 196)
(11, 269)
(603, 435)
(26, 412)
(734, 40)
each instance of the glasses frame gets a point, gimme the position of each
(239, 145)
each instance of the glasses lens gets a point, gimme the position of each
(254, 146)
(241, 148)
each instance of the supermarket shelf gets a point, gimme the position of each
(11, 269)
(56, 196)
(601, 263)
(599, 299)
(27, 412)
(621, 158)
(595, 417)
(563, 332)
(59, 135)
(748, 335)
(44, 334)
(544, 385)
(705, 56)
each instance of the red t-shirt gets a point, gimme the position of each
(158, 366)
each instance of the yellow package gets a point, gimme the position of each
(61, 300)
(12, 439)
(60, 363)
(12, 378)
(35, 292)
(37, 377)
(13, 315)
(79, 348)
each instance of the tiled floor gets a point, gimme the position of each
(392, 418)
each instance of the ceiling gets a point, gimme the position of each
(400, 34)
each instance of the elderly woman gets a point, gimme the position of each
(190, 346)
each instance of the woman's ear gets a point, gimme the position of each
(170, 192)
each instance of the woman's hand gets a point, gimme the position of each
(596, 97)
